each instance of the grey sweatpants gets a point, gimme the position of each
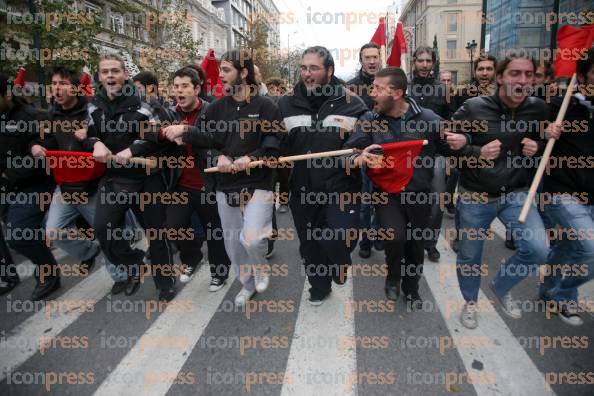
(246, 231)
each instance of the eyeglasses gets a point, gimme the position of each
(312, 69)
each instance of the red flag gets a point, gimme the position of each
(19, 80)
(85, 84)
(399, 160)
(398, 46)
(379, 37)
(212, 83)
(73, 166)
(571, 42)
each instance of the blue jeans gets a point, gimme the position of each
(474, 219)
(368, 217)
(575, 253)
(62, 217)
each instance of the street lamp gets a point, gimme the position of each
(289, 54)
(470, 47)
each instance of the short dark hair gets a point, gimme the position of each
(548, 68)
(484, 58)
(585, 63)
(322, 52)
(3, 85)
(198, 70)
(188, 72)
(366, 46)
(277, 82)
(71, 75)
(425, 50)
(146, 78)
(511, 57)
(241, 59)
(397, 77)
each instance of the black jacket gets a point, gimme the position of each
(63, 124)
(403, 129)
(431, 94)
(325, 130)
(576, 144)
(361, 86)
(219, 132)
(18, 128)
(506, 173)
(126, 122)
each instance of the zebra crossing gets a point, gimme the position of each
(351, 345)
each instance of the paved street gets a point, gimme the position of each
(357, 343)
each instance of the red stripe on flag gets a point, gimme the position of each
(399, 159)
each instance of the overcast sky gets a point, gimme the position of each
(315, 22)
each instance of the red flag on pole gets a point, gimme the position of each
(19, 80)
(379, 37)
(73, 166)
(398, 46)
(399, 160)
(85, 84)
(212, 83)
(571, 42)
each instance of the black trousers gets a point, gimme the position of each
(321, 230)
(26, 230)
(111, 209)
(179, 217)
(404, 252)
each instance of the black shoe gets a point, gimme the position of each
(414, 301)
(378, 245)
(509, 243)
(7, 285)
(364, 253)
(316, 297)
(87, 264)
(44, 289)
(433, 254)
(118, 287)
(392, 292)
(167, 294)
(132, 285)
(340, 278)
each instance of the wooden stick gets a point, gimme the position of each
(147, 162)
(547, 153)
(299, 157)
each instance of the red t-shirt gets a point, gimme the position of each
(191, 177)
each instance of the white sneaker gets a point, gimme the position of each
(261, 279)
(509, 306)
(570, 315)
(187, 273)
(243, 297)
(468, 316)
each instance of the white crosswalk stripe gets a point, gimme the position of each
(328, 370)
(492, 343)
(51, 320)
(152, 365)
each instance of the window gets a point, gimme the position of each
(137, 32)
(90, 7)
(452, 22)
(451, 49)
(117, 23)
(454, 77)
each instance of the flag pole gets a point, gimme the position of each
(547, 153)
(300, 157)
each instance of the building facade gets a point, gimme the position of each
(523, 23)
(453, 22)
